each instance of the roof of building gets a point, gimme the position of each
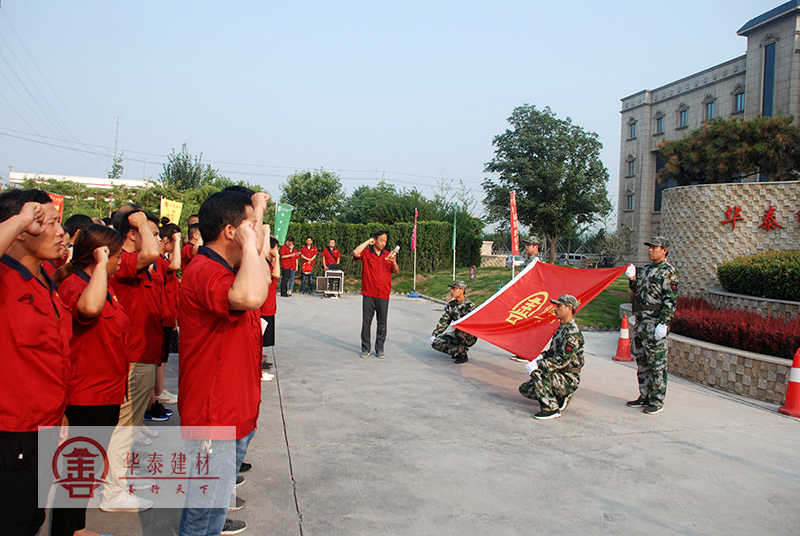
(781, 10)
(17, 177)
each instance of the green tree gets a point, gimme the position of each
(384, 204)
(116, 168)
(315, 196)
(184, 171)
(555, 169)
(723, 150)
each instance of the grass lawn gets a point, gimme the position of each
(601, 313)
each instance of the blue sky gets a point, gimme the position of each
(412, 91)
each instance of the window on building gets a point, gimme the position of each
(738, 98)
(630, 162)
(683, 116)
(709, 111)
(769, 80)
(631, 128)
(630, 202)
(659, 122)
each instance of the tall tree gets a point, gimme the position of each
(315, 196)
(555, 169)
(384, 204)
(184, 172)
(723, 150)
(116, 168)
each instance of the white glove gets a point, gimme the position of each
(533, 365)
(632, 320)
(630, 271)
(661, 331)
(433, 338)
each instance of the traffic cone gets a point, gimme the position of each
(792, 407)
(624, 344)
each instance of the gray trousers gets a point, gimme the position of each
(379, 308)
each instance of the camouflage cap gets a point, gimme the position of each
(658, 242)
(533, 241)
(567, 299)
(457, 284)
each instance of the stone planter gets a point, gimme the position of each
(728, 369)
(785, 310)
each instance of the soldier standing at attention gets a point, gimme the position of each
(532, 248)
(555, 374)
(454, 342)
(655, 298)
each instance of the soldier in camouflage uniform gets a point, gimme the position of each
(454, 342)
(655, 298)
(555, 374)
(532, 247)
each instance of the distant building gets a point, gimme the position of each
(91, 182)
(765, 81)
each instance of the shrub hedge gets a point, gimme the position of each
(698, 319)
(774, 274)
(434, 243)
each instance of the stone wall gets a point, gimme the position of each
(728, 369)
(692, 217)
(786, 310)
(493, 260)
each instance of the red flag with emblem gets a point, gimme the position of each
(520, 319)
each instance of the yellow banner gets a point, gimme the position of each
(171, 209)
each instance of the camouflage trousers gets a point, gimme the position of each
(451, 344)
(549, 387)
(651, 361)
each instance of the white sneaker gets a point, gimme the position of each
(267, 377)
(167, 398)
(125, 503)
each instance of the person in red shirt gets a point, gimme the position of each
(220, 346)
(289, 258)
(376, 285)
(330, 255)
(137, 284)
(308, 258)
(189, 250)
(270, 306)
(168, 264)
(35, 330)
(98, 352)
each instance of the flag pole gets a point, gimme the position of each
(414, 293)
(455, 214)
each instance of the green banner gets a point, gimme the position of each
(283, 215)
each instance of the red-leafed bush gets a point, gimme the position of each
(700, 320)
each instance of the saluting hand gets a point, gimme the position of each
(259, 200)
(101, 255)
(33, 214)
(137, 219)
(245, 234)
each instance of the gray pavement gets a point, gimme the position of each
(417, 445)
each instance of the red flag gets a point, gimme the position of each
(514, 225)
(414, 233)
(58, 201)
(520, 319)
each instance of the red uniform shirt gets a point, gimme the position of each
(308, 252)
(220, 373)
(331, 256)
(270, 306)
(170, 294)
(186, 255)
(376, 274)
(35, 329)
(141, 296)
(98, 352)
(50, 266)
(289, 263)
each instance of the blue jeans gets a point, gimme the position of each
(291, 280)
(209, 521)
(307, 278)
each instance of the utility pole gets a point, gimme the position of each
(116, 140)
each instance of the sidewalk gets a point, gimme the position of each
(417, 445)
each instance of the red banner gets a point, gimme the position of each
(58, 201)
(414, 232)
(520, 319)
(514, 225)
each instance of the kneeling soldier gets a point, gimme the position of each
(555, 373)
(454, 342)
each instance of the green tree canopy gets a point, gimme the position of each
(185, 172)
(316, 196)
(384, 204)
(555, 169)
(723, 150)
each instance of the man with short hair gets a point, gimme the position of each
(555, 373)
(194, 242)
(308, 258)
(289, 258)
(655, 299)
(376, 287)
(451, 341)
(35, 330)
(220, 344)
(330, 255)
(532, 247)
